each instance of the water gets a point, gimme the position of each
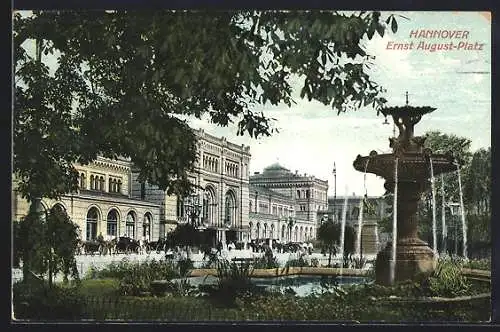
(360, 228)
(302, 285)
(394, 223)
(433, 195)
(462, 213)
(444, 231)
(360, 216)
(342, 230)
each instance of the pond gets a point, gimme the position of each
(302, 285)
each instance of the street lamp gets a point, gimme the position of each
(334, 190)
(193, 209)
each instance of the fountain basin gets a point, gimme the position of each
(412, 166)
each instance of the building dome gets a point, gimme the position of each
(276, 169)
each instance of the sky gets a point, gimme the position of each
(312, 137)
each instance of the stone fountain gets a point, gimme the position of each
(413, 255)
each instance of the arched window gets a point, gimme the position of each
(250, 206)
(209, 206)
(308, 194)
(130, 225)
(301, 234)
(298, 193)
(83, 184)
(58, 207)
(101, 183)
(272, 231)
(112, 223)
(119, 186)
(146, 226)
(110, 185)
(283, 232)
(92, 182)
(264, 234)
(311, 233)
(250, 227)
(296, 233)
(230, 209)
(92, 219)
(258, 230)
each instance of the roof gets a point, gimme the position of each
(267, 192)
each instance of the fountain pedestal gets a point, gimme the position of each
(413, 256)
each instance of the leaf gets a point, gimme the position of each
(394, 25)
(380, 29)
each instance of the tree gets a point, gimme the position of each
(125, 81)
(442, 143)
(47, 244)
(329, 235)
(477, 183)
(185, 235)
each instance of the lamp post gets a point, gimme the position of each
(334, 191)
(193, 210)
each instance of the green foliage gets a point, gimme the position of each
(47, 243)
(267, 261)
(234, 280)
(135, 277)
(478, 264)
(184, 266)
(138, 74)
(99, 287)
(300, 262)
(184, 235)
(329, 234)
(41, 301)
(447, 280)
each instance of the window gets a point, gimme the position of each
(298, 193)
(112, 223)
(83, 184)
(101, 183)
(250, 206)
(230, 209)
(146, 227)
(92, 218)
(130, 225)
(92, 183)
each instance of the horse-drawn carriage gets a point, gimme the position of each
(90, 248)
(127, 245)
(158, 246)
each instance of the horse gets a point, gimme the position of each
(91, 247)
(127, 245)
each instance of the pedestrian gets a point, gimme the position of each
(219, 247)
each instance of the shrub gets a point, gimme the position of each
(314, 262)
(267, 261)
(300, 262)
(100, 287)
(184, 266)
(39, 301)
(234, 280)
(478, 264)
(446, 280)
